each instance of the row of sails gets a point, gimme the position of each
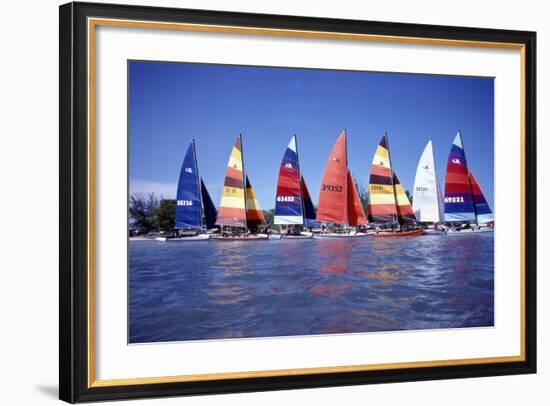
(339, 200)
(464, 200)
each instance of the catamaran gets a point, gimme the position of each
(240, 215)
(427, 197)
(466, 209)
(195, 211)
(290, 206)
(388, 202)
(340, 209)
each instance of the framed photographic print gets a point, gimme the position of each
(254, 202)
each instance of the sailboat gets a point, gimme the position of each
(339, 204)
(465, 203)
(240, 210)
(195, 212)
(289, 200)
(310, 214)
(388, 202)
(427, 198)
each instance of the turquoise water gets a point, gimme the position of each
(212, 290)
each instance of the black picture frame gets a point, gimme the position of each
(74, 385)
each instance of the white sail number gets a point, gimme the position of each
(185, 203)
(459, 199)
(285, 198)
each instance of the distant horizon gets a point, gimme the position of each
(171, 103)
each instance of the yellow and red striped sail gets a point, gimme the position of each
(332, 206)
(232, 210)
(254, 214)
(405, 212)
(382, 206)
(356, 214)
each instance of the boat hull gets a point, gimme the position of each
(200, 237)
(250, 237)
(339, 236)
(470, 231)
(298, 237)
(390, 234)
(434, 232)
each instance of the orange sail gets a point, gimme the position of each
(232, 205)
(334, 191)
(356, 214)
(254, 214)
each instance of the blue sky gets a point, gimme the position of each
(171, 103)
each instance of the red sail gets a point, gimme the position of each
(356, 214)
(333, 196)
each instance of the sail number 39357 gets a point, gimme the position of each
(332, 188)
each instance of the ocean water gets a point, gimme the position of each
(217, 290)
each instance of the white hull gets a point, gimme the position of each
(200, 237)
(338, 235)
(433, 232)
(470, 231)
(302, 236)
(249, 237)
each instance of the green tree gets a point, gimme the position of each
(142, 211)
(269, 217)
(165, 215)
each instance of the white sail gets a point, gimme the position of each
(427, 198)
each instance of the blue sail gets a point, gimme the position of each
(210, 211)
(484, 214)
(309, 210)
(188, 199)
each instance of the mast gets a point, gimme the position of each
(392, 182)
(244, 182)
(198, 182)
(346, 190)
(300, 182)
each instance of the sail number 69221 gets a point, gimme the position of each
(458, 199)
